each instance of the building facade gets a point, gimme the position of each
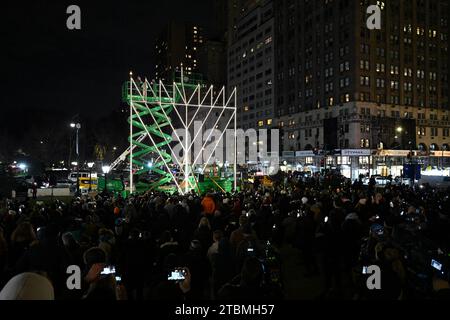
(251, 66)
(212, 63)
(340, 85)
(178, 44)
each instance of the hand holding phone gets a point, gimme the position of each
(94, 272)
(185, 285)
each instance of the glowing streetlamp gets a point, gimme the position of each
(78, 127)
(90, 166)
(106, 170)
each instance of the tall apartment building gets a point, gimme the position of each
(236, 9)
(212, 62)
(340, 85)
(251, 65)
(179, 43)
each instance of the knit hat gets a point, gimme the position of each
(94, 255)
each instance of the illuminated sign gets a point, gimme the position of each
(356, 152)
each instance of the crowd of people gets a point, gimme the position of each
(228, 245)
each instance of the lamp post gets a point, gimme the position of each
(77, 126)
(106, 170)
(90, 166)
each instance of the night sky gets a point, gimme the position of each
(46, 66)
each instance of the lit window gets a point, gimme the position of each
(260, 123)
(269, 122)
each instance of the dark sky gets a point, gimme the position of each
(46, 66)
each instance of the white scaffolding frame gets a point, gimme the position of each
(199, 99)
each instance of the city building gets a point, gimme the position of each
(179, 43)
(339, 85)
(212, 62)
(251, 65)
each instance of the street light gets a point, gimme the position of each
(78, 127)
(106, 170)
(399, 129)
(90, 166)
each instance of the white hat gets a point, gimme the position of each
(28, 286)
(304, 200)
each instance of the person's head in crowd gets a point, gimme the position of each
(195, 245)
(243, 220)
(24, 233)
(378, 198)
(316, 212)
(3, 243)
(95, 255)
(28, 286)
(68, 240)
(204, 223)
(118, 227)
(47, 234)
(251, 213)
(252, 272)
(337, 203)
(106, 235)
(134, 234)
(217, 235)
